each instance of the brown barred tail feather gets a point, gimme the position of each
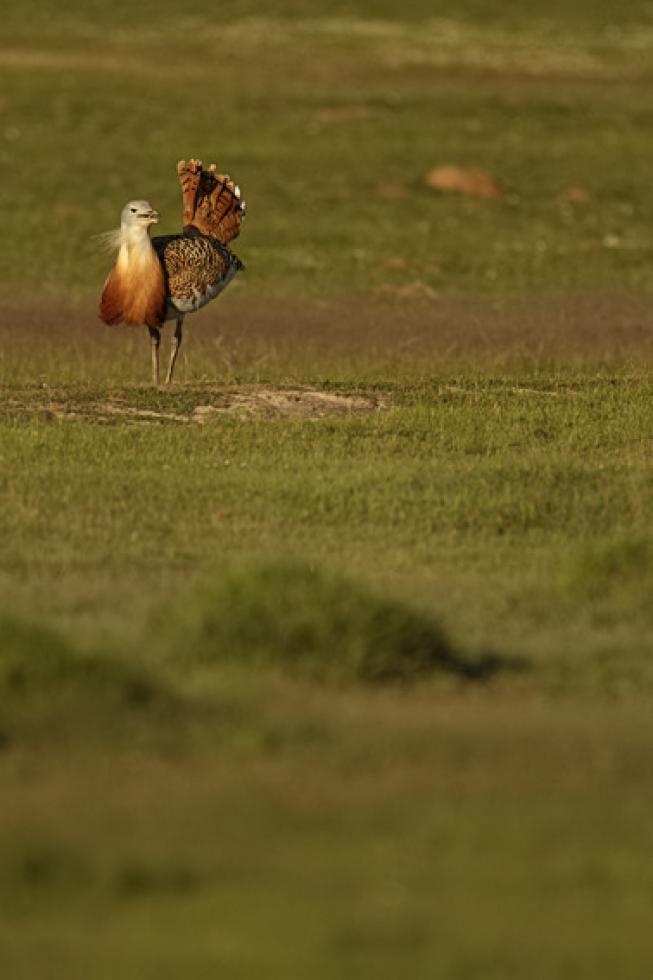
(189, 178)
(212, 202)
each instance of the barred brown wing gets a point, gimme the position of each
(196, 268)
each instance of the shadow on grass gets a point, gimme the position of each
(320, 626)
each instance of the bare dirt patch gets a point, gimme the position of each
(305, 402)
(201, 404)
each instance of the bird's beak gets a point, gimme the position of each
(153, 216)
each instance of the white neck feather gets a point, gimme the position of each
(134, 243)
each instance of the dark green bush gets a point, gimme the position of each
(37, 662)
(316, 625)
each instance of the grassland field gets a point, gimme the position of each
(333, 659)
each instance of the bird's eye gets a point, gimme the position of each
(133, 210)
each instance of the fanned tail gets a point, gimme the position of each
(212, 202)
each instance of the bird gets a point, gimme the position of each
(167, 277)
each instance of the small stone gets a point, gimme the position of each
(473, 183)
(396, 262)
(575, 195)
(391, 191)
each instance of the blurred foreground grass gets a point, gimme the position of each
(167, 807)
(406, 473)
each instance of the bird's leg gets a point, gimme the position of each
(174, 349)
(155, 339)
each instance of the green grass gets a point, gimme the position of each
(494, 480)
(195, 741)
(335, 659)
(316, 119)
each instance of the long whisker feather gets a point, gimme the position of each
(108, 241)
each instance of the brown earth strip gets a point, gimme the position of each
(247, 401)
(380, 336)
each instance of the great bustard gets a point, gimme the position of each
(165, 278)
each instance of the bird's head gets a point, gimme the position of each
(138, 214)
